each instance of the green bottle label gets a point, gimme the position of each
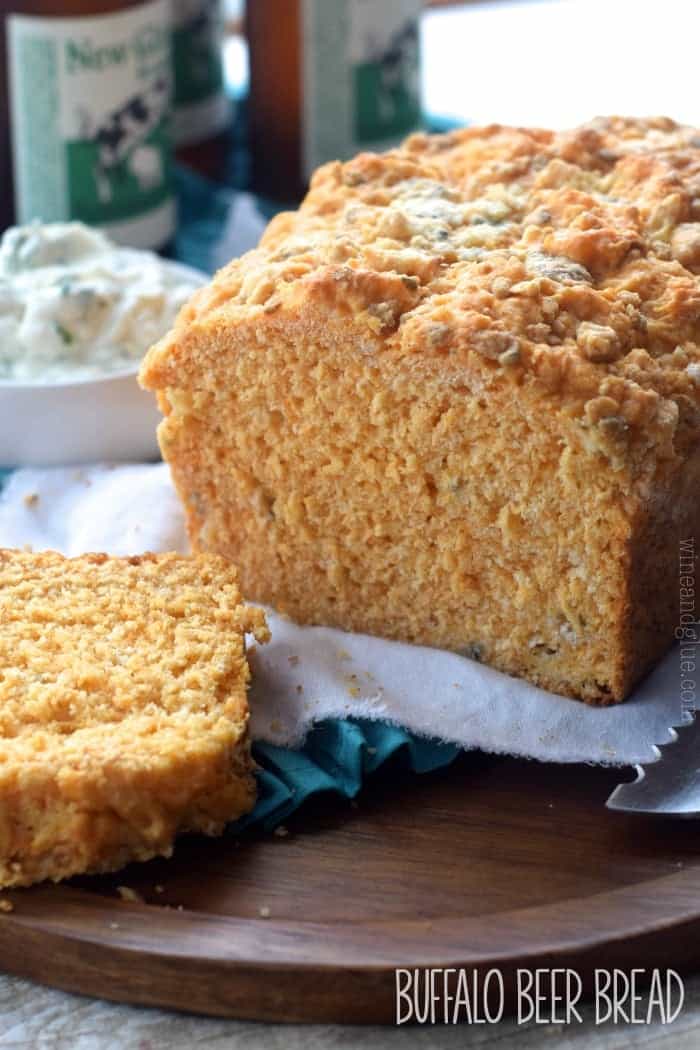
(386, 73)
(360, 76)
(197, 35)
(90, 101)
(201, 108)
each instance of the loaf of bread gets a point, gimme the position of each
(123, 715)
(455, 399)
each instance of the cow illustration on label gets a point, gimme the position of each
(118, 163)
(398, 86)
(386, 80)
(121, 141)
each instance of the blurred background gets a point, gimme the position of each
(263, 92)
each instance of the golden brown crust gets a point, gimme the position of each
(123, 715)
(510, 281)
(572, 257)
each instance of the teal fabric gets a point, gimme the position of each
(203, 207)
(337, 756)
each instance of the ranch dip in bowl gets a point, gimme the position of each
(77, 314)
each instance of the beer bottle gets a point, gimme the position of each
(201, 110)
(328, 78)
(85, 90)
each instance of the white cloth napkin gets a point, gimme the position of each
(309, 673)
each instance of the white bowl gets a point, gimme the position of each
(78, 421)
(107, 417)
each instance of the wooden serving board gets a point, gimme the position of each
(492, 862)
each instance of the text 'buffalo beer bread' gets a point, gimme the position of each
(454, 399)
(123, 714)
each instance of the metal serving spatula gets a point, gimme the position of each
(669, 787)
